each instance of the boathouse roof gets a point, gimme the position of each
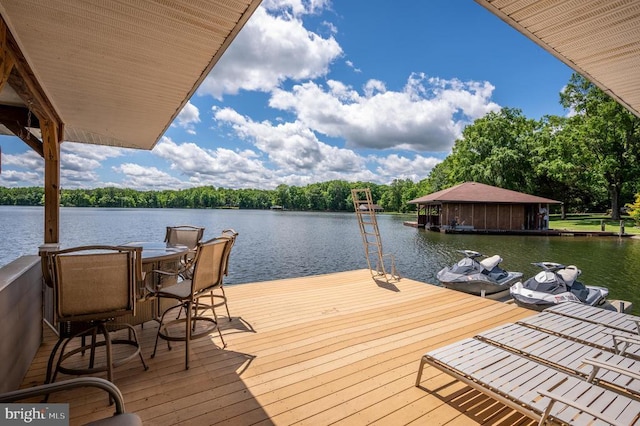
(474, 192)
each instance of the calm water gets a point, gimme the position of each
(283, 244)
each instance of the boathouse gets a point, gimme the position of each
(473, 206)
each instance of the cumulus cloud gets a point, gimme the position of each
(15, 178)
(188, 118)
(29, 160)
(145, 178)
(219, 167)
(301, 158)
(395, 166)
(427, 115)
(79, 164)
(271, 49)
(291, 147)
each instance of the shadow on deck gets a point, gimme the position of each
(334, 348)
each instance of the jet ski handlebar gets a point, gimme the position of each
(549, 266)
(470, 253)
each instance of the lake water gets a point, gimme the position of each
(284, 244)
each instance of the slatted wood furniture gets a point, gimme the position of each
(532, 388)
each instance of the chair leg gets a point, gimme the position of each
(226, 305)
(52, 357)
(155, 346)
(134, 336)
(188, 308)
(108, 348)
(107, 343)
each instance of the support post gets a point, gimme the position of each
(51, 135)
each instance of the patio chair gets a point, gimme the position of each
(120, 417)
(208, 270)
(613, 319)
(607, 368)
(92, 286)
(589, 333)
(186, 235)
(529, 387)
(222, 298)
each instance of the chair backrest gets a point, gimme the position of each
(95, 282)
(209, 264)
(186, 235)
(231, 234)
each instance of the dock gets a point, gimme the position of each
(338, 348)
(543, 232)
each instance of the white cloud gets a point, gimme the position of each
(291, 147)
(271, 49)
(399, 167)
(14, 178)
(91, 151)
(220, 167)
(79, 164)
(426, 116)
(300, 158)
(188, 117)
(28, 160)
(146, 178)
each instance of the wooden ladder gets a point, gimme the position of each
(366, 214)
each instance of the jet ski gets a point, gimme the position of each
(480, 277)
(557, 283)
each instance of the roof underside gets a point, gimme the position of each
(119, 72)
(474, 192)
(599, 39)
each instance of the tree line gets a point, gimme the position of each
(326, 196)
(590, 161)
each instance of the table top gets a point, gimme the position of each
(153, 251)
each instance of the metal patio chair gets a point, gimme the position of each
(92, 286)
(208, 271)
(186, 235)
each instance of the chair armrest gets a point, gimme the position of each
(48, 388)
(627, 340)
(597, 365)
(557, 398)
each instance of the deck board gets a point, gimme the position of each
(331, 349)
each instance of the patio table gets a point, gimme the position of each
(155, 255)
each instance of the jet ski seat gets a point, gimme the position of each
(569, 274)
(491, 262)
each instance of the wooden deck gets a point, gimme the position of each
(337, 348)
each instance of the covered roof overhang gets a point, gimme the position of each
(113, 72)
(104, 72)
(600, 39)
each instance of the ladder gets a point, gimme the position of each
(366, 214)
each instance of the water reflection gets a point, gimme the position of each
(276, 245)
(605, 261)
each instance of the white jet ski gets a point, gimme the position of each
(557, 283)
(480, 277)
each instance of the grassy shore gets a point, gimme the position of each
(592, 222)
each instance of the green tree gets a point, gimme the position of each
(609, 131)
(494, 150)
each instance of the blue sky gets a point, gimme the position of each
(314, 90)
